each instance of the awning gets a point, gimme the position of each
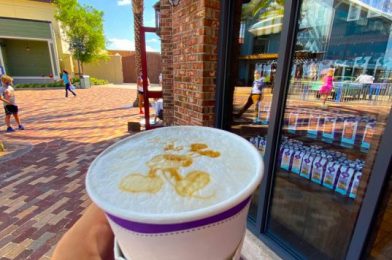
(269, 25)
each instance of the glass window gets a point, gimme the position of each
(259, 36)
(339, 98)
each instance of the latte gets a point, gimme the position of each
(173, 170)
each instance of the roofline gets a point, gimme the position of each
(23, 19)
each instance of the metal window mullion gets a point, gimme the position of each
(367, 213)
(281, 85)
(223, 106)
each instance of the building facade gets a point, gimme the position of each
(32, 47)
(322, 122)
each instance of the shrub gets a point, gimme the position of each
(75, 80)
(95, 81)
(40, 85)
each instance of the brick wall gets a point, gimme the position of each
(167, 61)
(189, 34)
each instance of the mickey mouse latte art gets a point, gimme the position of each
(165, 168)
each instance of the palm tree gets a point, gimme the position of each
(137, 8)
(256, 8)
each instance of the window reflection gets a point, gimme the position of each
(260, 26)
(339, 98)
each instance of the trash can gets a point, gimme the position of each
(85, 81)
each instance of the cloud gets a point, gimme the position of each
(152, 40)
(125, 44)
(150, 22)
(124, 2)
(121, 44)
(151, 49)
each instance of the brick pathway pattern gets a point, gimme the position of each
(42, 192)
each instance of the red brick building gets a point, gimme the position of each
(189, 35)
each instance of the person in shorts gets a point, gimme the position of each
(255, 96)
(7, 95)
(140, 91)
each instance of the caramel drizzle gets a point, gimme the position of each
(166, 167)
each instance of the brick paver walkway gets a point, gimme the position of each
(42, 191)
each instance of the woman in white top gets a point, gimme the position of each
(140, 91)
(255, 96)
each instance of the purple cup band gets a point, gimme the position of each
(165, 228)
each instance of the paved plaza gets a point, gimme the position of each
(42, 190)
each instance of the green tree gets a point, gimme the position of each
(262, 8)
(83, 26)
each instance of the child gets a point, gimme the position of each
(327, 86)
(158, 107)
(7, 95)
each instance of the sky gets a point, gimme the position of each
(118, 23)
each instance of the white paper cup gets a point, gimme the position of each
(214, 232)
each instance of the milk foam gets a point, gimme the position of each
(222, 167)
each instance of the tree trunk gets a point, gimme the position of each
(137, 8)
(79, 69)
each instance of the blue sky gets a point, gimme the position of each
(118, 23)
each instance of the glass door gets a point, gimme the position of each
(259, 29)
(339, 98)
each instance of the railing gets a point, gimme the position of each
(343, 91)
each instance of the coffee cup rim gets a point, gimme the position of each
(170, 218)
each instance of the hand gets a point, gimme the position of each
(89, 238)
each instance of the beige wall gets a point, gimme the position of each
(111, 70)
(40, 11)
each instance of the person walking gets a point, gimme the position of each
(67, 82)
(255, 96)
(7, 95)
(327, 86)
(140, 91)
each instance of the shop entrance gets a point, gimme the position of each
(26, 58)
(325, 125)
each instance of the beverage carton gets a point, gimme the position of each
(306, 167)
(355, 184)
(262, 146)
(314, 125)
(345, 177)
(329, 129)
(349, 133)
(297, 161)
(264, 113)
(331, 175)
(286, 159)
(318, 169)
(368, 135)
(293, 122)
